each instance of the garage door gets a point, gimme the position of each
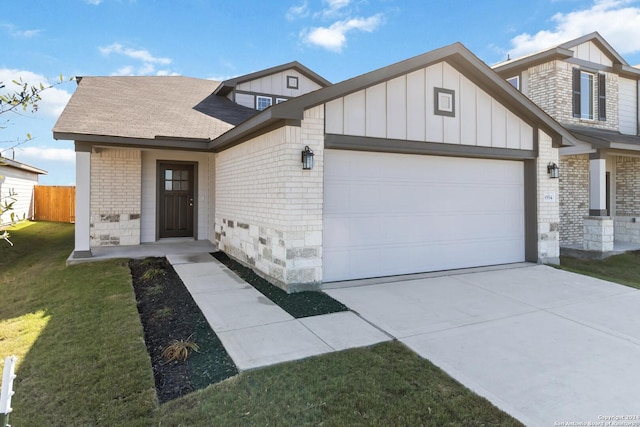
(389, 214)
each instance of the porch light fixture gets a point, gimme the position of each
(553, 170)
(307, 158)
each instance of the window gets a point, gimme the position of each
(279, 100)
(263, 102)
(584, 95)
(514, 81)
(292, 82)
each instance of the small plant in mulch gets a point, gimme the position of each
(179, 350)
(168, 314)
(298, 305)
(162, 314)
(152, 273)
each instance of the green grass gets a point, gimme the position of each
(83, 361)
(623, 268)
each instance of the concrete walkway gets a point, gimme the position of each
(546, 346)
(255, 331)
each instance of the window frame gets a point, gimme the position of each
(293, 82)
(281, 100)
(262, 98)
(517, 81)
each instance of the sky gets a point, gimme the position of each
(219, 39)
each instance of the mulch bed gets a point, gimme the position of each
(168, 312)
(299, 305)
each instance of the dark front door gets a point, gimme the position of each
(176, 200)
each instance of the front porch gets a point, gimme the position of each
(161, 248)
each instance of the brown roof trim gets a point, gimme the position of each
(160, 142)
(455, 54)
(603, 138)
(228, 85)
(22, 166)
(515, 66)
(601, 42)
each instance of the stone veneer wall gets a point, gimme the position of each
(550, 87)
(269, 210)
(115, 197)
(574, 198)
(548, 212)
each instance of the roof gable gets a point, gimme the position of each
(229, 85)
(456, 55)
(4, 162)
(588, 49)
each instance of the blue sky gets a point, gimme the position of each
(217, 39)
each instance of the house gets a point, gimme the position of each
(16, 186)
(432, 163)
(593, 92)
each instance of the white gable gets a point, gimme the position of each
(590, 52)
(276, 84)
(404, 108)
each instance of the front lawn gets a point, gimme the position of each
(623, 268)
(82, 360)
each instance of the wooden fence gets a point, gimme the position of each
(54, 203)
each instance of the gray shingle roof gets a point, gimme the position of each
(149, 107)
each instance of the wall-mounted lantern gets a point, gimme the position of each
(307, 158)
(553, 170)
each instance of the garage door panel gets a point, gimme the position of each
(387, 214)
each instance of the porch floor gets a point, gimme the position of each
(161, 248)
(577, 251)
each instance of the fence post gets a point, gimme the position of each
(7, 388)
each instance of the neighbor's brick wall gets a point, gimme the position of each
(574, 197)
(548, 212)
(268, 210)
(550, 87)
(115, 197)
(627, 186)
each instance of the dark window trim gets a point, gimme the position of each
(576, 93)
(436, 100)
(292, 82)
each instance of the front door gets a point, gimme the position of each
(176, 199)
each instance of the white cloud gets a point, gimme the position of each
(149, 62)
(334, 7)
(93, 2)
(45, 153)
(16, 32)
(334, 37)
(296, 12)
(616, 20)
(139, 54)
(53, 99)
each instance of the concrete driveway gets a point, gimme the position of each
(544, 345)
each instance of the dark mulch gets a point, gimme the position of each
(301, 304)
(168, 312)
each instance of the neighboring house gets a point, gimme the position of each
(593, 92)
(16, 186)
(432, 163)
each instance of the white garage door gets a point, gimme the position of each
(388, 214)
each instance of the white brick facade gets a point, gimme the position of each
(115, 197)
(269, 210)
(550, 87)
(548, 207)
(574, 197)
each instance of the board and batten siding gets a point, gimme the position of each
(628, 106)
(590, 52)
(276, 84)
(149, 202)
(403, 108)
(20, 183)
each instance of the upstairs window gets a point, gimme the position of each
(514, 81)
(263, 102)
(584, 92)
